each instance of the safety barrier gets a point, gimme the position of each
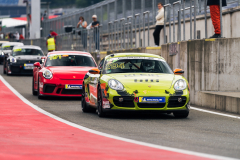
(111, 10)
(132, 31)
(83, 40)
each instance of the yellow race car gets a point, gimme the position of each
(135, 82)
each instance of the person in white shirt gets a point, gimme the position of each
(17, 36)
(159, 24)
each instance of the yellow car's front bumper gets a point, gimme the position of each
(133, 100)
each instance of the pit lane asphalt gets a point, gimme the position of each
(200, 132)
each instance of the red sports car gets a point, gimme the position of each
(61, 74)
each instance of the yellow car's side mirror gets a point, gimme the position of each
(178, 71)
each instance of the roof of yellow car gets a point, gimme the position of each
(134, 55)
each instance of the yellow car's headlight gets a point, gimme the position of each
(180, 85)
(114, 84)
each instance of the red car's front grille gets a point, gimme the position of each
(48, 88)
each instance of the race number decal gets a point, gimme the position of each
(115, 66)
(53, 57)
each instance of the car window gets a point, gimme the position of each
(30, 52)
(69, 60)
(100, 66)
(7, 47)
(138, 65)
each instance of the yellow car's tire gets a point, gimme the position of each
(99, 107)
(85, 107)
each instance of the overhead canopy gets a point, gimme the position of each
(11, 22)
(20, 21)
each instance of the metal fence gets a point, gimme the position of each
(83, 40)
(111, 10)
(133, 31)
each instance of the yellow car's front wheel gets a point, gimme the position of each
(100, 104)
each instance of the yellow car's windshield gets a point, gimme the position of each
(136, 65)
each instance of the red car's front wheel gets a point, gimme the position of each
(33, 90)
(39, 96)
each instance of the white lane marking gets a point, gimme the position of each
(217, 113)
(109, 135)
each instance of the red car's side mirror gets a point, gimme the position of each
(37, 64)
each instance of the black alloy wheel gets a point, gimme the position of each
(85, 107)
(4, 72)
(38, 92)
(7, 70)
(99, 107)
(33, 91)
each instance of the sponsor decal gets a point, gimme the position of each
(106, 104)
(28, 66)
(149, 58)
(115, 66)
(53, 57)
(69, 86)
(152, 100)
(153, 92)
(6, 46)
(140, 75)
(40, 84)
(17, 50)
(146, 80)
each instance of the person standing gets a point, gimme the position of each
(159, 24)
(53, 34)
(21, 37)
(17, 36)
(51, 44)
(95, 25)
(214, 6)
(45, 15)
(83, 31)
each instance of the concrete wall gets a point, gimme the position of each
(211, 67)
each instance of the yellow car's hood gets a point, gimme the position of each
(144, 81)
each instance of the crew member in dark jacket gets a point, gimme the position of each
(215, 15)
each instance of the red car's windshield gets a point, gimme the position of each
(69, 60)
